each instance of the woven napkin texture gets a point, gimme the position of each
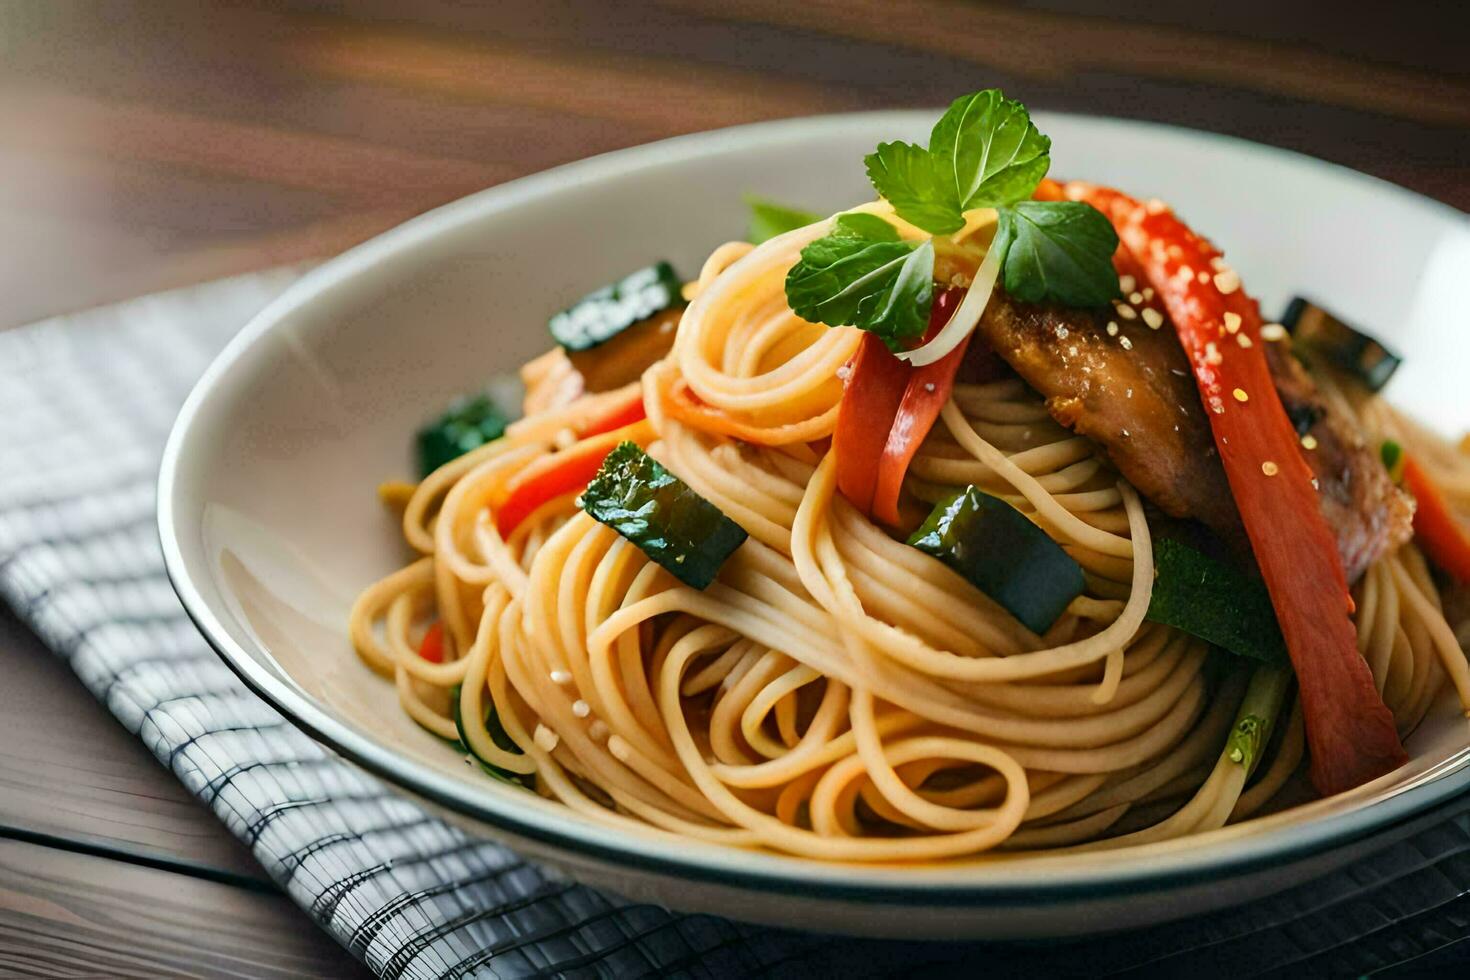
(85, 404)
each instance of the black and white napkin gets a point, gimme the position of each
(85, 404)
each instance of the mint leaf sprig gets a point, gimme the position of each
(983, 152)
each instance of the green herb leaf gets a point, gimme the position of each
(860, 225)
(1058, 252)
(1208, 599)
(910, 178)
(769, 219)
(1392, 455)
(879, 284)
(988, 147)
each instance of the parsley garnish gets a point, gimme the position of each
(861, 273)
(769, 219)
(1060, 251)
(983, 152)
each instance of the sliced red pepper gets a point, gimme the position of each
(561, 473)
(1439, 530)
(928, 388)
(431, 647)
(622, 409)
(1350, 732)
(875, 386)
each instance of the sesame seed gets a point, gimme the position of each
(1126, 312)
(1309, 441)
(844, 372)
(1212, 353)
(1175, 252)
(1232, 322)
(1148, 292)
(1071, 352)
(1061, 332)
(1240, 395)
(1217, 406)
(1273, 332)
(1135, 298)
(1128, 393)
(1203, 277)
(960, 279)
(546, 739)
(1156, 206)
(1127, 344)
(929, 385)
(561, 677)
(1153, 318)
(1269, 468)
(1243, 340)
(1112, 328)
(1227, 281)
(619, 748)
(1315, 484)
(581, 708)
(1185, 273)
(1126, 283)
(1125, 433)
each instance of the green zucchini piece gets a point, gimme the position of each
(658, 512)
(769, 219)
(1209, 599)
(598, 317)
(1346, 347)
(1003, 554)
(497, 734)
(468, 424)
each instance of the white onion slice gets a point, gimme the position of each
(972, 307)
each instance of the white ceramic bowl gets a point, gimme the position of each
(270, 523)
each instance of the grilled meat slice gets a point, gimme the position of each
(1369, 515)
(1132, 393)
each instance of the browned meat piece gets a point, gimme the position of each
(1369, 515)
(1141, 404)
(1138, 402)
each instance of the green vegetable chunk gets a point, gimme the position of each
(469, 423)
(1392, 455)
(598, 317)
(658, 512)
(1208, 599)
(497, 734)
(769, 219)
(1003, 554)
(1348, 348)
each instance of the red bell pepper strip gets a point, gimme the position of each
(561, 473)
(928, 388)
(623, 409)
(1443, 535)
(431, 647)
(1350, 732)
(876, 381)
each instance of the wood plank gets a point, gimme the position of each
(64, 914)
(69, 770)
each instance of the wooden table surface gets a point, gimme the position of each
(150, 145)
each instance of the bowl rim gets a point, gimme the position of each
(969, 884)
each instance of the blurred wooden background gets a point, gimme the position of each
(151, 144)
(146, 145)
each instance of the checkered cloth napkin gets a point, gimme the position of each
(85, 404)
